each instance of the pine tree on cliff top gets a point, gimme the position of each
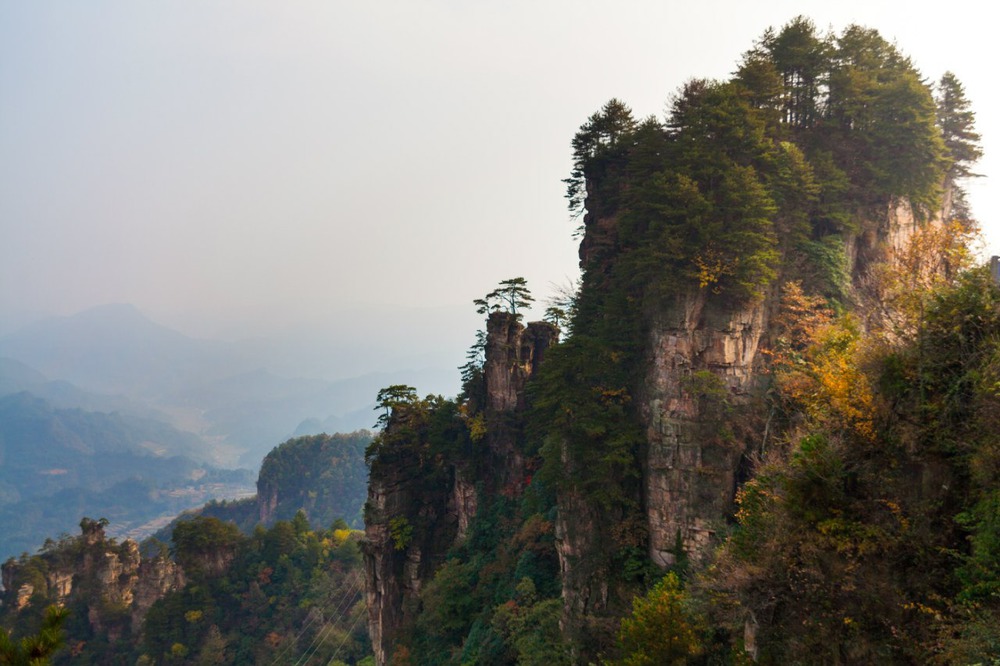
(957, 122)
(509, 295)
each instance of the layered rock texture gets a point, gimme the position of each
(113, 581)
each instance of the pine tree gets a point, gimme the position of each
(509, 295)
(599, 151)
(957, 123)
(36, 650)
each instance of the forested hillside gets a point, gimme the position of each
(280, 595)
(271, 579)
(324, 476)
(763, 435)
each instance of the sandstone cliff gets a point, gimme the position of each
(115, 584)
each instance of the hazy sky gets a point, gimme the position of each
(228, 166)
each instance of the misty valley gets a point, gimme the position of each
(108, 414)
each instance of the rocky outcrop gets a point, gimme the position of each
(409, 526)
(115, 583)
(60, 583)
(267, 502)
(700, 352)
(394, 569)
(157, 576)
(464, 500)
(513, 354)
(418, 509)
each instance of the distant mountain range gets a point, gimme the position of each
(114, 359)
(108, 414)
(58, 465)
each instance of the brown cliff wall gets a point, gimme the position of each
(690, 475)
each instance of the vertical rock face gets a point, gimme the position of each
(7, 572)
(409, 526)
(267, 502)
(513, 353)
(24, 595)
(585, 580)
(398, 563)
(690, 478)
(410, 522)
(464, 500)
(156, 578)
(60, 583)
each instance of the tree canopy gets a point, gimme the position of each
(509, 296)
(957, 122)
(391, 398)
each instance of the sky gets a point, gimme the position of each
(241, 169)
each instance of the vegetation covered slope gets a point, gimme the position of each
(325, 476)
(281, 595)
(277, 590)
(816, 192)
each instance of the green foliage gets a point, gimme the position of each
(449, 607)
(582, 405)
(556, 316)
(509, 296)
(599, 150)
(35, 650)
(258, 599)
(420, 433)
(662, 628)
(475, 358)
(800, 58)
(980, 573)
(530, 627)
(957, 122)
(202, 543)
(401, 532)
(289, 594)
(391, 398)
(323, 475)
(881, 544)
(828, 267)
